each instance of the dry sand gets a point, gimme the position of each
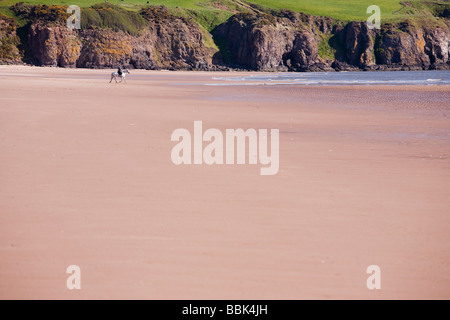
(86, 178)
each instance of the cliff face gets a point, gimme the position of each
(359, 44)
(268, 43)
(167, 42)
(275, 41)
(413, 47)
(9, 53)
(178, 43)
(259, 43)
(104, 48)
(437, 45)
(54, 45)
(402, 47)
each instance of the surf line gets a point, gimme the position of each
(235, 140)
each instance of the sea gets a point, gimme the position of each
(390, 78)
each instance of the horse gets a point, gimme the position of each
(116, 75)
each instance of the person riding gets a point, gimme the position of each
(119, 71)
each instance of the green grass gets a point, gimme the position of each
(6, 11)
(114, 17)
(189, 4)
(201, 11)
(326, 51)
(339, 9)
(209, 15)
(208, 40)
(208, 19)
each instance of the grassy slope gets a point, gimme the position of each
(209, 16)
(339, 9)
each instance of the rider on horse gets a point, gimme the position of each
(119, 74)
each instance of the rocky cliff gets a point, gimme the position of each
(165, 41)
(409, 45)
(265, 41)
(269, 43)
(54, 45)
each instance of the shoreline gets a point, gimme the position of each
(225, 78)
(232, 69)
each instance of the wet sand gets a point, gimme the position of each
(86, 179)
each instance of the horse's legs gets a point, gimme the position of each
(124, 80)
(111, 78)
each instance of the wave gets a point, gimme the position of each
(336, 79)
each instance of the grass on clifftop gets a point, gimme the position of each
(211, 13)
(338, 9)
(113, 17)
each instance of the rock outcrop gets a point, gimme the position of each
(167, 42)
(359, 44)
(437, 46)
(178, 43)
(54, 45)
(103, 48)
(267, 43)
(405, 46)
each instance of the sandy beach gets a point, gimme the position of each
(86, 179)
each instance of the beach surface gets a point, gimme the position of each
(86, 179)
